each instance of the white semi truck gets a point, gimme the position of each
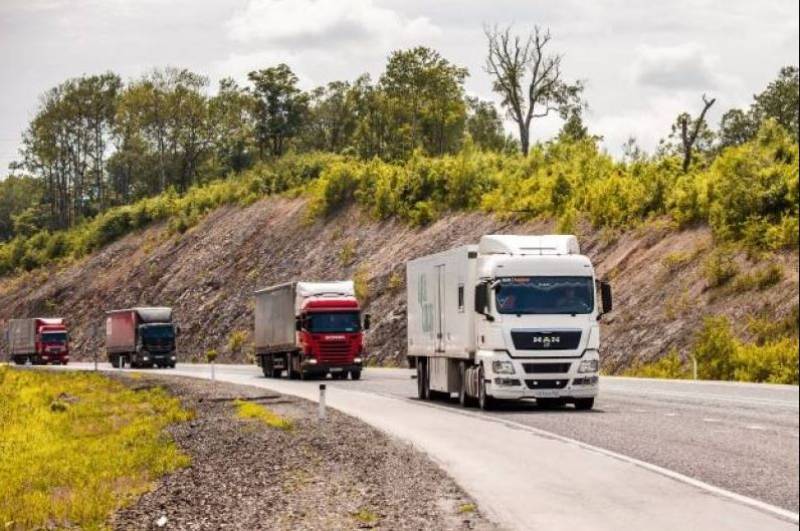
(510, 318)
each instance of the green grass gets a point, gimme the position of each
(366, 516)
(466, 508)
(250, 410)
(74, 447)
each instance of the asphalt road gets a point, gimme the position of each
(639, 457)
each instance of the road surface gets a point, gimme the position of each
(653, 454)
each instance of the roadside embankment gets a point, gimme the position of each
(261, 460)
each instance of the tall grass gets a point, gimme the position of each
(76, 446)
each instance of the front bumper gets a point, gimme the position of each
(567, 383)
(317, 368)
(523, 389)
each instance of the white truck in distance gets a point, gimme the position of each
(512, 317)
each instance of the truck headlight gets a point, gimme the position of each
(356, 360)
(311, 361)
(588, 366)
(502, 367)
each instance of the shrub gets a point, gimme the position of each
(715, 349)
(670, 366)
(361, 284)
(720, 268)
(775, 362)
(760, 279)
(236, 340)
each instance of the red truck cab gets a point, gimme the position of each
(52, 341)
(331, 336)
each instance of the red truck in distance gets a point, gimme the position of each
(39, 341)
(309, 329)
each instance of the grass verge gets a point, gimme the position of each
(250, 410)
(74, 447)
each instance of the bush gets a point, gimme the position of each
(670, 366)
(721, 356)
(236, 340)
(760, 279)
(720, 268)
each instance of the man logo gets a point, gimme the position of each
(546, 341)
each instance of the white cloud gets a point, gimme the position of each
(682, 67)
(325, 24)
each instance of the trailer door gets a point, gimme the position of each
(440, 307)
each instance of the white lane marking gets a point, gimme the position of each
(756, 427)
(792, 404)
(708, 419)
(677, 476)
(670, 414)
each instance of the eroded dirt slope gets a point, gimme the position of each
(209, 273)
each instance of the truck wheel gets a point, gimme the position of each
(19, 360)
(584, 404)
(355, 375)
(463, 398)
(485, 402)
(422, 380)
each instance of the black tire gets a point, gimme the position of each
(463, 398)
(485, 402)
(19, 360)
(171, 365)
(422, 379)
(355, 375)
(290, 373)
(584, 404)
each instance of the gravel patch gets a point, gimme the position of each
(338, 474)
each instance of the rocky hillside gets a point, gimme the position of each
(208, 275)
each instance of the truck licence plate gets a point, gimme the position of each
(336, 369)
(547, 393)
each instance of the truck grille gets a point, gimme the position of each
(548, 368)
(546, 384)
(555, 340)
(334, 352)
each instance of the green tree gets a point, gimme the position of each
(424, 98)
(280, 108)
(780, 101)
(485, 126)
(333, 117)
(736, 127)
(18, 193)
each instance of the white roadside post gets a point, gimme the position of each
(321, 401)
(95, 335)
(694, 367)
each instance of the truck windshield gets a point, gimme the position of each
(333, 322)
(544, 295)
(54, 337)
(158, 332)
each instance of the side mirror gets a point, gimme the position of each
(605, 296)
(177, 330)
(367, 321)
(482, 300)
(298, 324)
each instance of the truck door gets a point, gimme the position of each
(440, 308)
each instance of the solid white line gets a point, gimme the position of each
(717, 491)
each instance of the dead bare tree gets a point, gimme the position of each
(688, 138)
(527, 78)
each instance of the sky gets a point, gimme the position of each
(643, 62)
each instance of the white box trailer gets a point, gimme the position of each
(509, 318)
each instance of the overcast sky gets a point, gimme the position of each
(643, 61)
